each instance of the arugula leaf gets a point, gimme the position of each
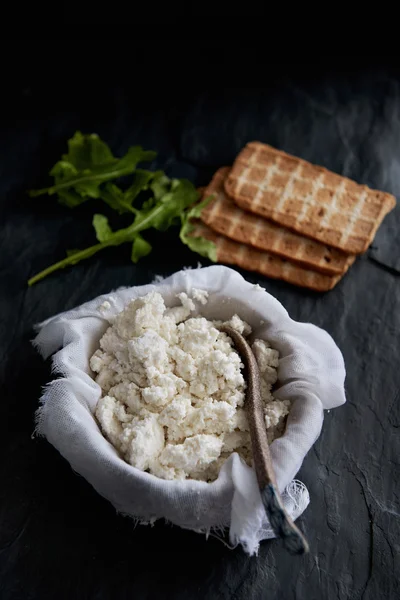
(88, 164)
(198, 244)
(102, 228)
(122, 201)
(115, 198)
(87, 171)
(160, 185)
(84, 151)
(61, 172)
(70, 198)
(140, 183)
(169, 208)
(140, 248)
(182, 195)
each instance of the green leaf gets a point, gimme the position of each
(88, 164)
(115, 198)
(199, 244)
(140, 248)
(70, 198)
(160, 185)
(88, 170)
(102, 228)
(122, 201)
(148, 204)
(62, 171)
(84, 151)
(88, 181)
(162, 212)
(182, 194)
(140, 184)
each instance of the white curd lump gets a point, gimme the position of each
(173, 389)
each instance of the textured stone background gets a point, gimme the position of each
(58, 538)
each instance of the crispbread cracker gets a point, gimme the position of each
(226, 218)
(307, 198)
(270, 265)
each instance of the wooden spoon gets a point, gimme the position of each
(280, 521)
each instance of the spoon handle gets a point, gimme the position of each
(280, 521)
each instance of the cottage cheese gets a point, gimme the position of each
(173, 388)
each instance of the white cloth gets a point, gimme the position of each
(311, 374)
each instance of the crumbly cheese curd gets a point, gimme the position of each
(173, 388)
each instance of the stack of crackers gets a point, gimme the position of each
(289, 219)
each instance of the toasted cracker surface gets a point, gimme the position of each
(307, 198)
(270, 265)
(225, 217)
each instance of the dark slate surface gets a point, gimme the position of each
(58, 538)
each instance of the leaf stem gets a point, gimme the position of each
(77, 180)
(70, 260)
(119, 237)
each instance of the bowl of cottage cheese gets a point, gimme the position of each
(173, 388)
(149, 403)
